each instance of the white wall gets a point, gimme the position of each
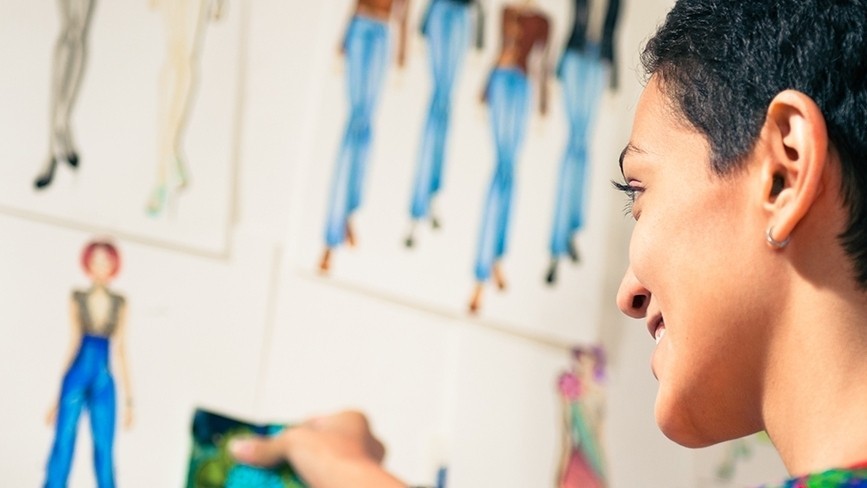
(252, 336)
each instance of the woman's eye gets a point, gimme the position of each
(631, 191)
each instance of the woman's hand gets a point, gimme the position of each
(334, 451)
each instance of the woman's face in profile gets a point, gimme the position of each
(696, 277)
(101, 266)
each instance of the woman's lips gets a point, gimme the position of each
(656, 327)
(660, 332)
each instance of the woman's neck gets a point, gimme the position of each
(815, 392)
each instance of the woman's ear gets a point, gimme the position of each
(795, 140)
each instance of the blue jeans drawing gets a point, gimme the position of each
(446, 26)
(508, 97)
(583, 78)
(366, 46)
(88, 383)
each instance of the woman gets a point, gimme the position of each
(747, 178)
(98, 319)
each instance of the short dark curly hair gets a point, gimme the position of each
(721, 62)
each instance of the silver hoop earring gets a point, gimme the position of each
(775, 243)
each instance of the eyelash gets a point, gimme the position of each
(631, 192)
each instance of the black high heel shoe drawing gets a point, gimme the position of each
(72, 159)
(47, 176)
(44, 179)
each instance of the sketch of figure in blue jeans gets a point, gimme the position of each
(582, 70)
(446, 26)
(366, 47)
(99, 320)
(524, 29)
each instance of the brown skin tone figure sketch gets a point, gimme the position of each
(525, 31)
(365, 47)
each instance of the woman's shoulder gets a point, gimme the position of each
(853, 476)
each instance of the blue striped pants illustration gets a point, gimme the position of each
(583, 77)
(508, 97)
(366, 47)
(446, 27)
(87, 384)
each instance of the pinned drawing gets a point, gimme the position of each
(525, 30)
(587, 61)
(186, 23)
(98, 317)
(582, 463)
(366, 48)
(70, 56)
(446, 26)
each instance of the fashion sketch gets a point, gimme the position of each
(586, 63)
(67, 72)
(186, 22)
(525, 30)
(366, 49)
(98, 320)
(582, 463)
(447, 28)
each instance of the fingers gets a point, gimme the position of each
(355, 425)
(376, 450)
(260, 451)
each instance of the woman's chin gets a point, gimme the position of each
(676, 423)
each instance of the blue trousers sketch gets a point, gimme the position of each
(583, 78)
(88, 383)
(446, 27)
(366, 47)
(508, 97)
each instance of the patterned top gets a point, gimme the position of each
(854, 477)
(86, 321)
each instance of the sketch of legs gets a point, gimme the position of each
(88, 383)
(447, 29)
(102, 409)
(185, 22)
(70, 55)
(586, 446)
(583, 78)
(508, 96)
(366, 57)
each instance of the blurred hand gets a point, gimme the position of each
(333, 451)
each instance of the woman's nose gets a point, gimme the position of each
(632, 297)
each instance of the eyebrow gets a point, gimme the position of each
(630, 148)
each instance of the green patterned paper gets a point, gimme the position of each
(211, 465)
